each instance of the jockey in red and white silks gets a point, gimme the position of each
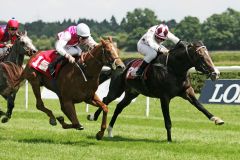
(8, 33)
(151, 43)
(69, 40)
(68, 43)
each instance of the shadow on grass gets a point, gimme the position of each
(50, 141)
(124, 139)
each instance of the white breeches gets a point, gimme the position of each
(3, 50)
(63, 49)
(73, 50)
(148, 52)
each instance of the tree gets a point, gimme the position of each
(134, 36)
(221, 31)
(189, 29)
(139, 18)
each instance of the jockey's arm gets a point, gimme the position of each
(149, 38)
(62, 42)
(173, 38)
(91, 42)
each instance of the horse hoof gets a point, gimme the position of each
(90, 117)
(99, 135)
(52, 121)
(80, 128)
(217, 120)
(60, 119)
(5, 119)
(109, 129)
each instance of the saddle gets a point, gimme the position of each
(134, 67)
(159, 61)
(41, 61)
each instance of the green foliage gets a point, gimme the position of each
(44, 43)
(133, 38)
(218, 32)
(221, 31)
(143, 18)
(187, 27)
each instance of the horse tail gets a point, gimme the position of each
(13, 72)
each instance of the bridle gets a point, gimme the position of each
(109, 61)
(29, 51)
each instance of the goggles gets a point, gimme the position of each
(83, 38)
(12, 29)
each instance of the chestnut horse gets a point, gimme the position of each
(163, 81)
(11, 68)
(72, 87)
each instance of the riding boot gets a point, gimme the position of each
(53, 64)
(140, 70)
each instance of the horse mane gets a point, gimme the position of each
(13, 72)
(87, 55)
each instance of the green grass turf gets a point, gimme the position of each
(28, 135)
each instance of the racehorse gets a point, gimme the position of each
(11, 68)
(163, 82)
(71, 85)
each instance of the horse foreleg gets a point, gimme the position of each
(97, 102)
(120, 106)
(167, 118)
(68, 109)
(190, 96)
(116, 89)
(10, 105)
(106, 100)
(39, 103)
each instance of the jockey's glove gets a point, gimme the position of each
(182, 43)
(9, 45)
(163, 50)
(70, 58)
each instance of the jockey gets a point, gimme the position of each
(8, 33)
(151, 43)
(68, 43)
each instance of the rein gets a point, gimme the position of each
(83, 57)
(189, 57)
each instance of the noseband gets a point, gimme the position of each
(28, 50)
(111, 61)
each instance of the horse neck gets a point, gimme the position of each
(93, 61)
(15, 56)
(179, 62)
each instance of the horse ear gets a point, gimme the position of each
(18, 34)
(110, 39)
(103, 41)
(25, 32)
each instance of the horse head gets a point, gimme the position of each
(201, 60)
(21, 47)
(23, 44)
(110, 54)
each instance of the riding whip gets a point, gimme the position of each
(85, 79)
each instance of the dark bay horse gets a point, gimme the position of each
(72, 88)
(11, 68)
(163, 82)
